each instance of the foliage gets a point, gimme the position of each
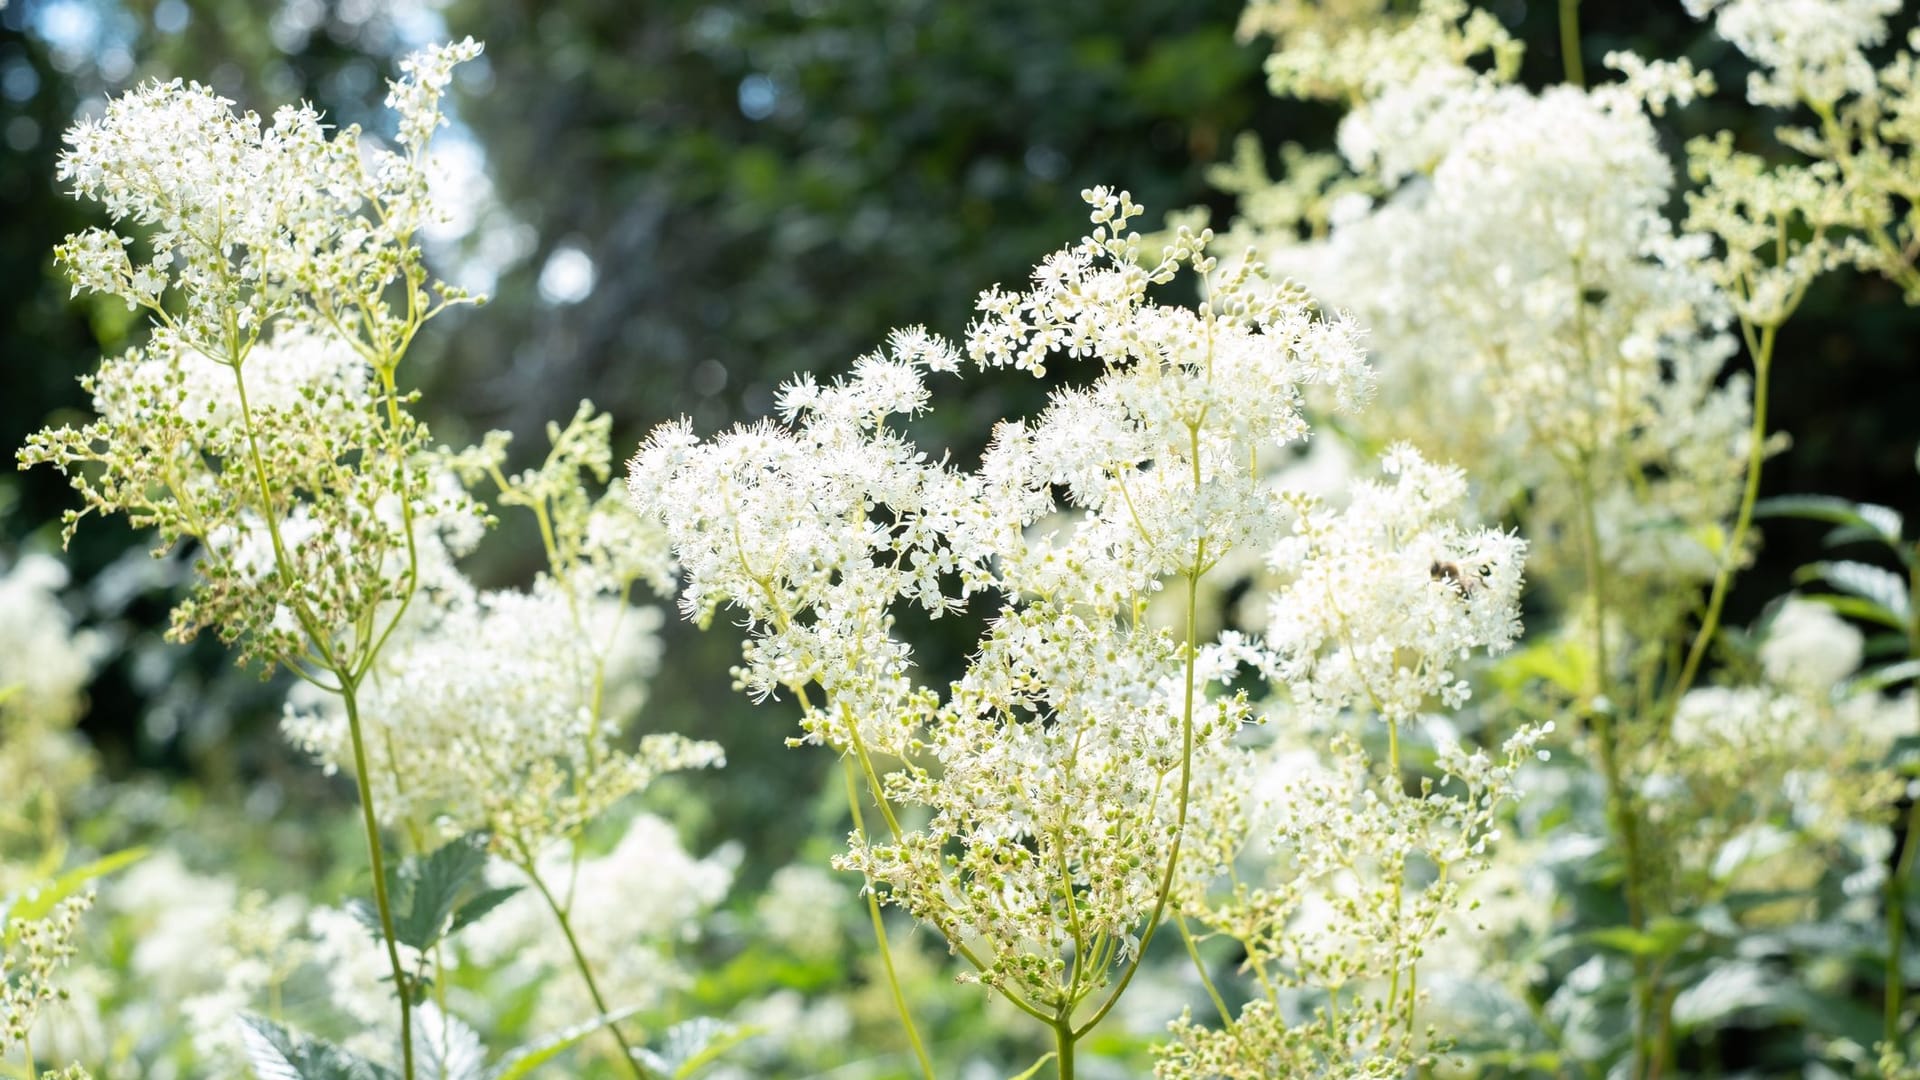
(1339, 642)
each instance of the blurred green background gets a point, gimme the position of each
(675, 205)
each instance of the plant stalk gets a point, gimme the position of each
(1570, 42)
(1619, 799)
(349, 694)
(880, 932)
(1743, 523)
(638, 1070)
(1902, 872)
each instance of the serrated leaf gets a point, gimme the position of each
(523, 1060)
(444, 1048)
(1875, 584)
(1856, 608)
(690, 1045)
(479, 905)
(279, 1054)
(1881, 522)
(1880, 678)
(268, 1048)
(425, 891)
(366, 915)
(1884, 520)
(1727, 991)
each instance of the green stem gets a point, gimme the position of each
(880, 932)
(1186, 787)
(1063, 1040)
(350, 696)
(1186, 744)
(1570, 42)
(1743, 522)
(1896, 979)
(1400, 870)
(1619, 799)
(527, 866)
(1199, 965)
(1897, 924)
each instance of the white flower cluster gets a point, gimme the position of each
(802, 910)
(1792, 764)
(1527, 304)
(1348, 880)
(500, 711)
(1850, 201)
(1072, 770)
(262, 419)
(35, 949)
(1536, 318)
(1806, 50)
(45, 664)
(207, 951)
(252, 222)
(263, 423)
(1809, 648)
(1379, 602)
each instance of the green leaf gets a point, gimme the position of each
(1875, 584)
(1486, 1017)
(1037, 1066)
(523, 1060)
(278, 1054)
(366, 915)
(36, 903)
(1744, 991)
(444, 1048)
(425, 891)
(691, 1045)
(1880, 678)
(1856, 608)
(1562, 662)
(1662, 937)
(1867, 520)
(478, 905)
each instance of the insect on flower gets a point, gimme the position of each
(1465, 582)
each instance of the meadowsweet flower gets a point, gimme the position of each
(45, 665)
(262, 423)
(1805, 50)
(45, 661)
(1379, 601)
(801, 911)
(1809, 648)
(1659, 83)
(36, 949)
(486, 717)
(1084, 762)
(1755, 782)
(265, 394)
(1530, 309)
